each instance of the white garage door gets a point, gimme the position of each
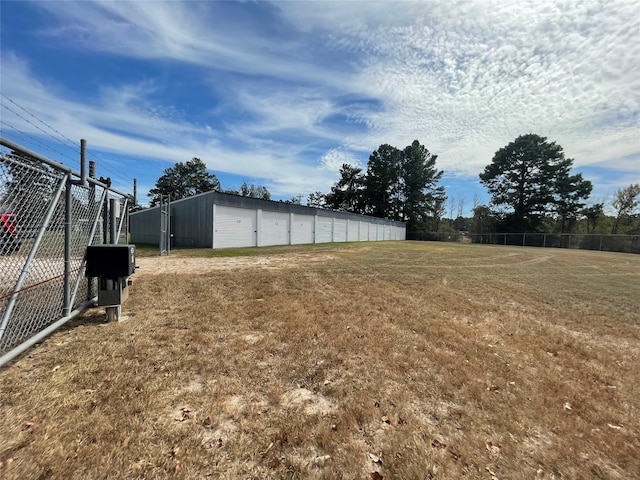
(275, 228)
(364, 231)
(352, 230)
(340, 230)
(302, 229)
(324, 230)
(234, 227)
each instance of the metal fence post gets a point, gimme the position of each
(92, 202)
(112, 222)
(67, 249)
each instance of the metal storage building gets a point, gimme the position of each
(220, 220)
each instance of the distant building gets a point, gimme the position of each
(220, 220)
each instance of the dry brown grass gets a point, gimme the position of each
(413, 360)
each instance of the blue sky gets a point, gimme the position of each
(282, 93)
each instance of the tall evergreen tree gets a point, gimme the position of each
(419, 191)
(382, 183)
(531, 176)
(346, 194)
(571, 191)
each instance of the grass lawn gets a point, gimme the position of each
(408, 360)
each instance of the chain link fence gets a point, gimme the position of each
(48, 216)
(584, 241)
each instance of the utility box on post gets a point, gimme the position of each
(112, 264)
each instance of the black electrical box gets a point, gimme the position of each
(110, 261)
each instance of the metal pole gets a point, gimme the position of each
(113, 313)
(92, 204)
(67, 249)
(135, 192)
(83, 162)
(112, 222)
(105, 221)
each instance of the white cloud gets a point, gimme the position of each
(463, 77)
(336, 157)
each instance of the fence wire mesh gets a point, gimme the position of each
(583, 241)
(47, 219)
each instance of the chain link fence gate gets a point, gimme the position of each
(165, 224)
(49, 214)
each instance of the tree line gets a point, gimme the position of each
(531, 182)
(532, 185)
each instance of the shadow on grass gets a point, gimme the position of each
(91, 317)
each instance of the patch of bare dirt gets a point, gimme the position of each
(176, 264)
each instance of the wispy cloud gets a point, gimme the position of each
(289, 91)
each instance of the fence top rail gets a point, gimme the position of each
(565, 234)
(58, 166)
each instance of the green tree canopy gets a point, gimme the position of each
(184, 180)
(625, 201)
(317, 200)
(346, 194)
(398, 185)
(532, 176)
(255, 191)
(422, 198)
(382, 183)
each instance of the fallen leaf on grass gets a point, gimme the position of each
(567, 406)
(376, 476)
(375, 458)
(615, 427)
(30, 423)
(274, 463)
(126, 441)
(185, 414)
(56, 368)
(437, 444)
(455, 455)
